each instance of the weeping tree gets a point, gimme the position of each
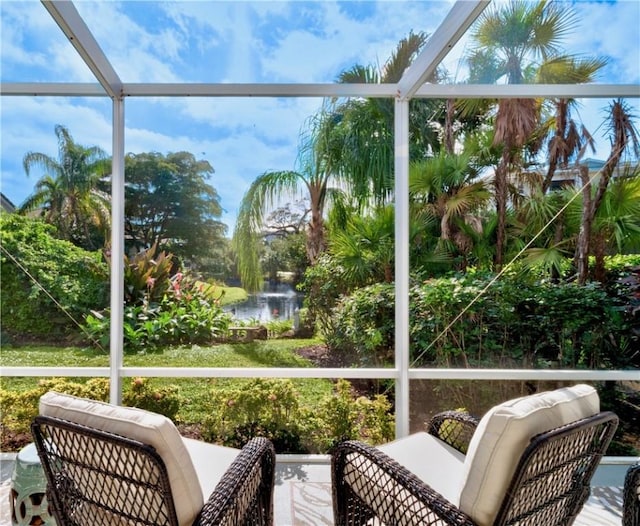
(310, 181)
(348, 147)
(365, 127)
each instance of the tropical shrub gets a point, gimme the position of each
(470, 320)
(21, 407)
(270, 408)
(322, 285)
(364, 325)
(264, 406)
(147, 276)
(165, 400)
(346, 416)
(185, 314)
(34, 261)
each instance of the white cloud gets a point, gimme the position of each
(233, 42)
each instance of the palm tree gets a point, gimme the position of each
(567, 138)
(364, 248)
(349, 143)
(365, 126)
(624, 137)
(68, 194)
(446, 187)
(510, 38)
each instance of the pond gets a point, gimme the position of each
(276, 302)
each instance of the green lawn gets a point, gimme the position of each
(270, 353)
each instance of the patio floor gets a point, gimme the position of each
(303, 497)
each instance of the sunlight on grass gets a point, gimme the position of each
(195, 391)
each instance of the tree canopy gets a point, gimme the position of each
(169, 203)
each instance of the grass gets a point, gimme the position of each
(226, 295)
(269, 353)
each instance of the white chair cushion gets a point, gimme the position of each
(432, 461)
(150, 428)
(502, 436)
(210, 462)
(426, 457)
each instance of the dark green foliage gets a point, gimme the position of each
(322, 285)
(464, 321)
(78, 280)
(169, 202)
(364, 324)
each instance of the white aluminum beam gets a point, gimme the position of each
(444, 91)
(315, 372)
(116, 330)
(260, 90)
(505, 91)
(67, 17)
(401, 171)
(52, 89)
(524, 374)
(462, 15)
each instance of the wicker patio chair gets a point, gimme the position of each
(114, 466)
(631, 505)
(529, 461)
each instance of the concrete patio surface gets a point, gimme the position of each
(303, 494)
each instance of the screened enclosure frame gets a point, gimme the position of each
(412, 85)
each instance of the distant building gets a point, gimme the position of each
(6, 204)
(571, 176)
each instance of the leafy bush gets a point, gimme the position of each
(263, 406)
(343, 416)
(461, 321)
(269, 407)
(19, 408)
(364, 324)
(165, 400)
(77, 280)
(322, 286)
(185, 314)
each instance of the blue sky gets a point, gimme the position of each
(259, 41)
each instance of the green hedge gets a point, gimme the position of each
(468, 320)
(78, 280)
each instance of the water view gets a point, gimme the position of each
(276, 302)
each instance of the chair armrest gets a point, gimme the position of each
(454, 428)
(631, 509)
(367, 483)
(244, 495)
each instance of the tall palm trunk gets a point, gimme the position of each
(624, 135)
(449, 143)
(500, 186)
(316, 243)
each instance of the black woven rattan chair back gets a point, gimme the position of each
(549, 488)
(553, 478)
(101, 479)
(244, 496)
(631, 505)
